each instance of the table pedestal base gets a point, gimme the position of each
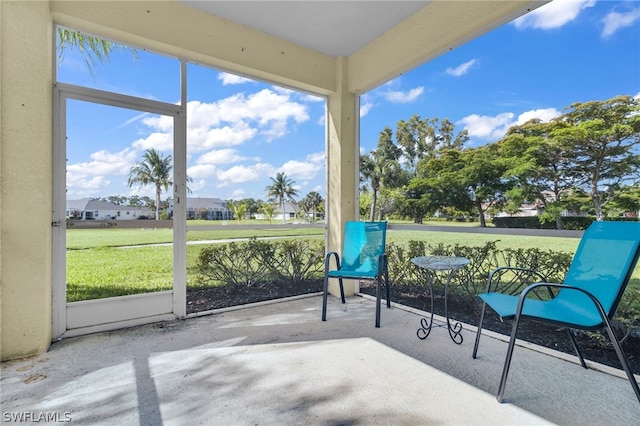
(426, 325)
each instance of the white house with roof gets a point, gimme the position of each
(88, 209)
(207, 208)
(290, 212)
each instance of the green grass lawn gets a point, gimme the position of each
(99, 265)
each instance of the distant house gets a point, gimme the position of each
(290, 212)
(208, 208)
(87, 209)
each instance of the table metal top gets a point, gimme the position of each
(440, 263)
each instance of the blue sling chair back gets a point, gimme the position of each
(587, 299)
(363, 258)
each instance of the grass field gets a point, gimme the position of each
(113, 262)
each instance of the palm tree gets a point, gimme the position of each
(281, 188)
(153, 169)
(239, 209)
(314, 201)
(92, 50)
(268, 209)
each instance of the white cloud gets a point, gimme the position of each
(200, 171)
(237, 174)
(487, 127)
(221, 156)
(228, 79)
(196, 186)
(80, 186)
(365, 108)
(307, 97)
(553, 15)
(494, 128)
(305, 170)
(317, 157)
(202, 139)
(545, 115)
(159, 122)
(238, 194)
(301, 169)
(91, 174)
(158, 141)
(615, 21)
(228, 122)
(403, 97)
(462, 68)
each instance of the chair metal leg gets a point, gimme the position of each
(623, 358)
(378, 297)
(341, 290)
(324, 298)
(479, 332)
(576, 348)
(507, 361)
(386, 284)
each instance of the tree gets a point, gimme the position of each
(424, 138)
(311, 202)
(282, 189)
(422, 141)
(482, 178)
(539, 165)
(626, 200)
(154, 169)
(317, 203)
(605, 140)
(92, 50)
(252, 205)
(381, 168)
(268, 209)
(239, 209)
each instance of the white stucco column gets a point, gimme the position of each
(342, 165)
(25, 176)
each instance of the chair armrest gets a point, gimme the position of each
(532, 287)
(327, 261)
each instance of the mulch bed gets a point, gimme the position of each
(460, 309)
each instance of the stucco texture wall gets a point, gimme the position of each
(26, 200)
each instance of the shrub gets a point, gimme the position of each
(237, 263)
(296, 260)
(576, 223)
(255, 262)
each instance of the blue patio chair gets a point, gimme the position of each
(363, 258)
(587, 299)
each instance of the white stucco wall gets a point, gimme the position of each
(26, 149)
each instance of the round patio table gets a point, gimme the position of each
(432, 265)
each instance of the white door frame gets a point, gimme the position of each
(77, 318)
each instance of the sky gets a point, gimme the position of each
(241, 132)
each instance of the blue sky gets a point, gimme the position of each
(242, 132)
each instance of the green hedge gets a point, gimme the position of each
(255, 262)
(575, 223)
(533, 222)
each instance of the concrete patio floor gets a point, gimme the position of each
(278, 364)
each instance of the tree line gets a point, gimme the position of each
(155, 169)
(586, 161)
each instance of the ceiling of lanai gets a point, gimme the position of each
(403, 33)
